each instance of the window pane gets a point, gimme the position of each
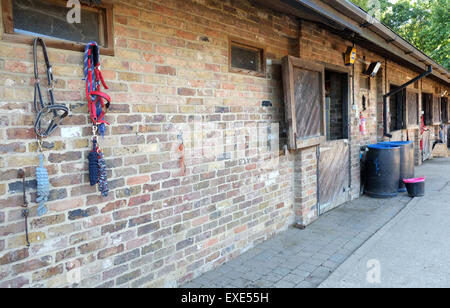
(246, 59)
(40, 18)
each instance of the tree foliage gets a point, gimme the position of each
(424, 23)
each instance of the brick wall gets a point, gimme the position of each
(156, 227)
(168, 80)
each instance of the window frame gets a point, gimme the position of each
(106, 28)
(244, 44)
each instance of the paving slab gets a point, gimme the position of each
(305, 258)
(412, 249)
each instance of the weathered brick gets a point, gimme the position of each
(138, 180)
(165, 70)
(119, 215)
(66, 157)
(112, 228)
(93, 246)
(14, 256)
(128, 277)
(16, 147)
(66, 254)
(152, 247)
(115, 272)
(106, 253)
(185, 243)
(15, 283)
(79, 214)
(139, 200)
(148, 228)
(127, 257)
(46, 221)
(47, 273)
(32, 265)
(140, 220)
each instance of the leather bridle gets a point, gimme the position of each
(59, 111)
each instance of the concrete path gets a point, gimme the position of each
(413, 249)
(305, 258)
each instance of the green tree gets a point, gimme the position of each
(424, 23)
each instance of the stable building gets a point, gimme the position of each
(229, 122)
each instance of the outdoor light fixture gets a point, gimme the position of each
(92, 2)
(373, 69)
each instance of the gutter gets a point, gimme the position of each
(367, 21)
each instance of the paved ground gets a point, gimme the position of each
(413, 249)
(305, 258)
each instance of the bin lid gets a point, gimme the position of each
(397, 143)
(381, 146)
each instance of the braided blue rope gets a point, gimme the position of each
(86, 64)
(102, 176)
(93, 165)
(43, 187)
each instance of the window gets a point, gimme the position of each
(427, 108)
(25, 19)
(304, 91)
(397, 110)
(246, 58)
(336, 105)
(444, 110)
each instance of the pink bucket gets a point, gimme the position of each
(412, 181)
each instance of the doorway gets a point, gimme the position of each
(334, 162)
(397, 110)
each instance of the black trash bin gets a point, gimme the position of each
(406, 161)
(382, 171)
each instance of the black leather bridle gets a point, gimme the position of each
(59, 111)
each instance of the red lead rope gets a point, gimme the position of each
(96, 98)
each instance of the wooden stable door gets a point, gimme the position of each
(313, 123)
(334, 160)
(334, 175)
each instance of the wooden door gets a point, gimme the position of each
(334, 174)
(304, 102)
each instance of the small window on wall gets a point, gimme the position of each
(58, 24)
(246, 58)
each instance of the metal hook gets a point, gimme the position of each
(40, 144)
